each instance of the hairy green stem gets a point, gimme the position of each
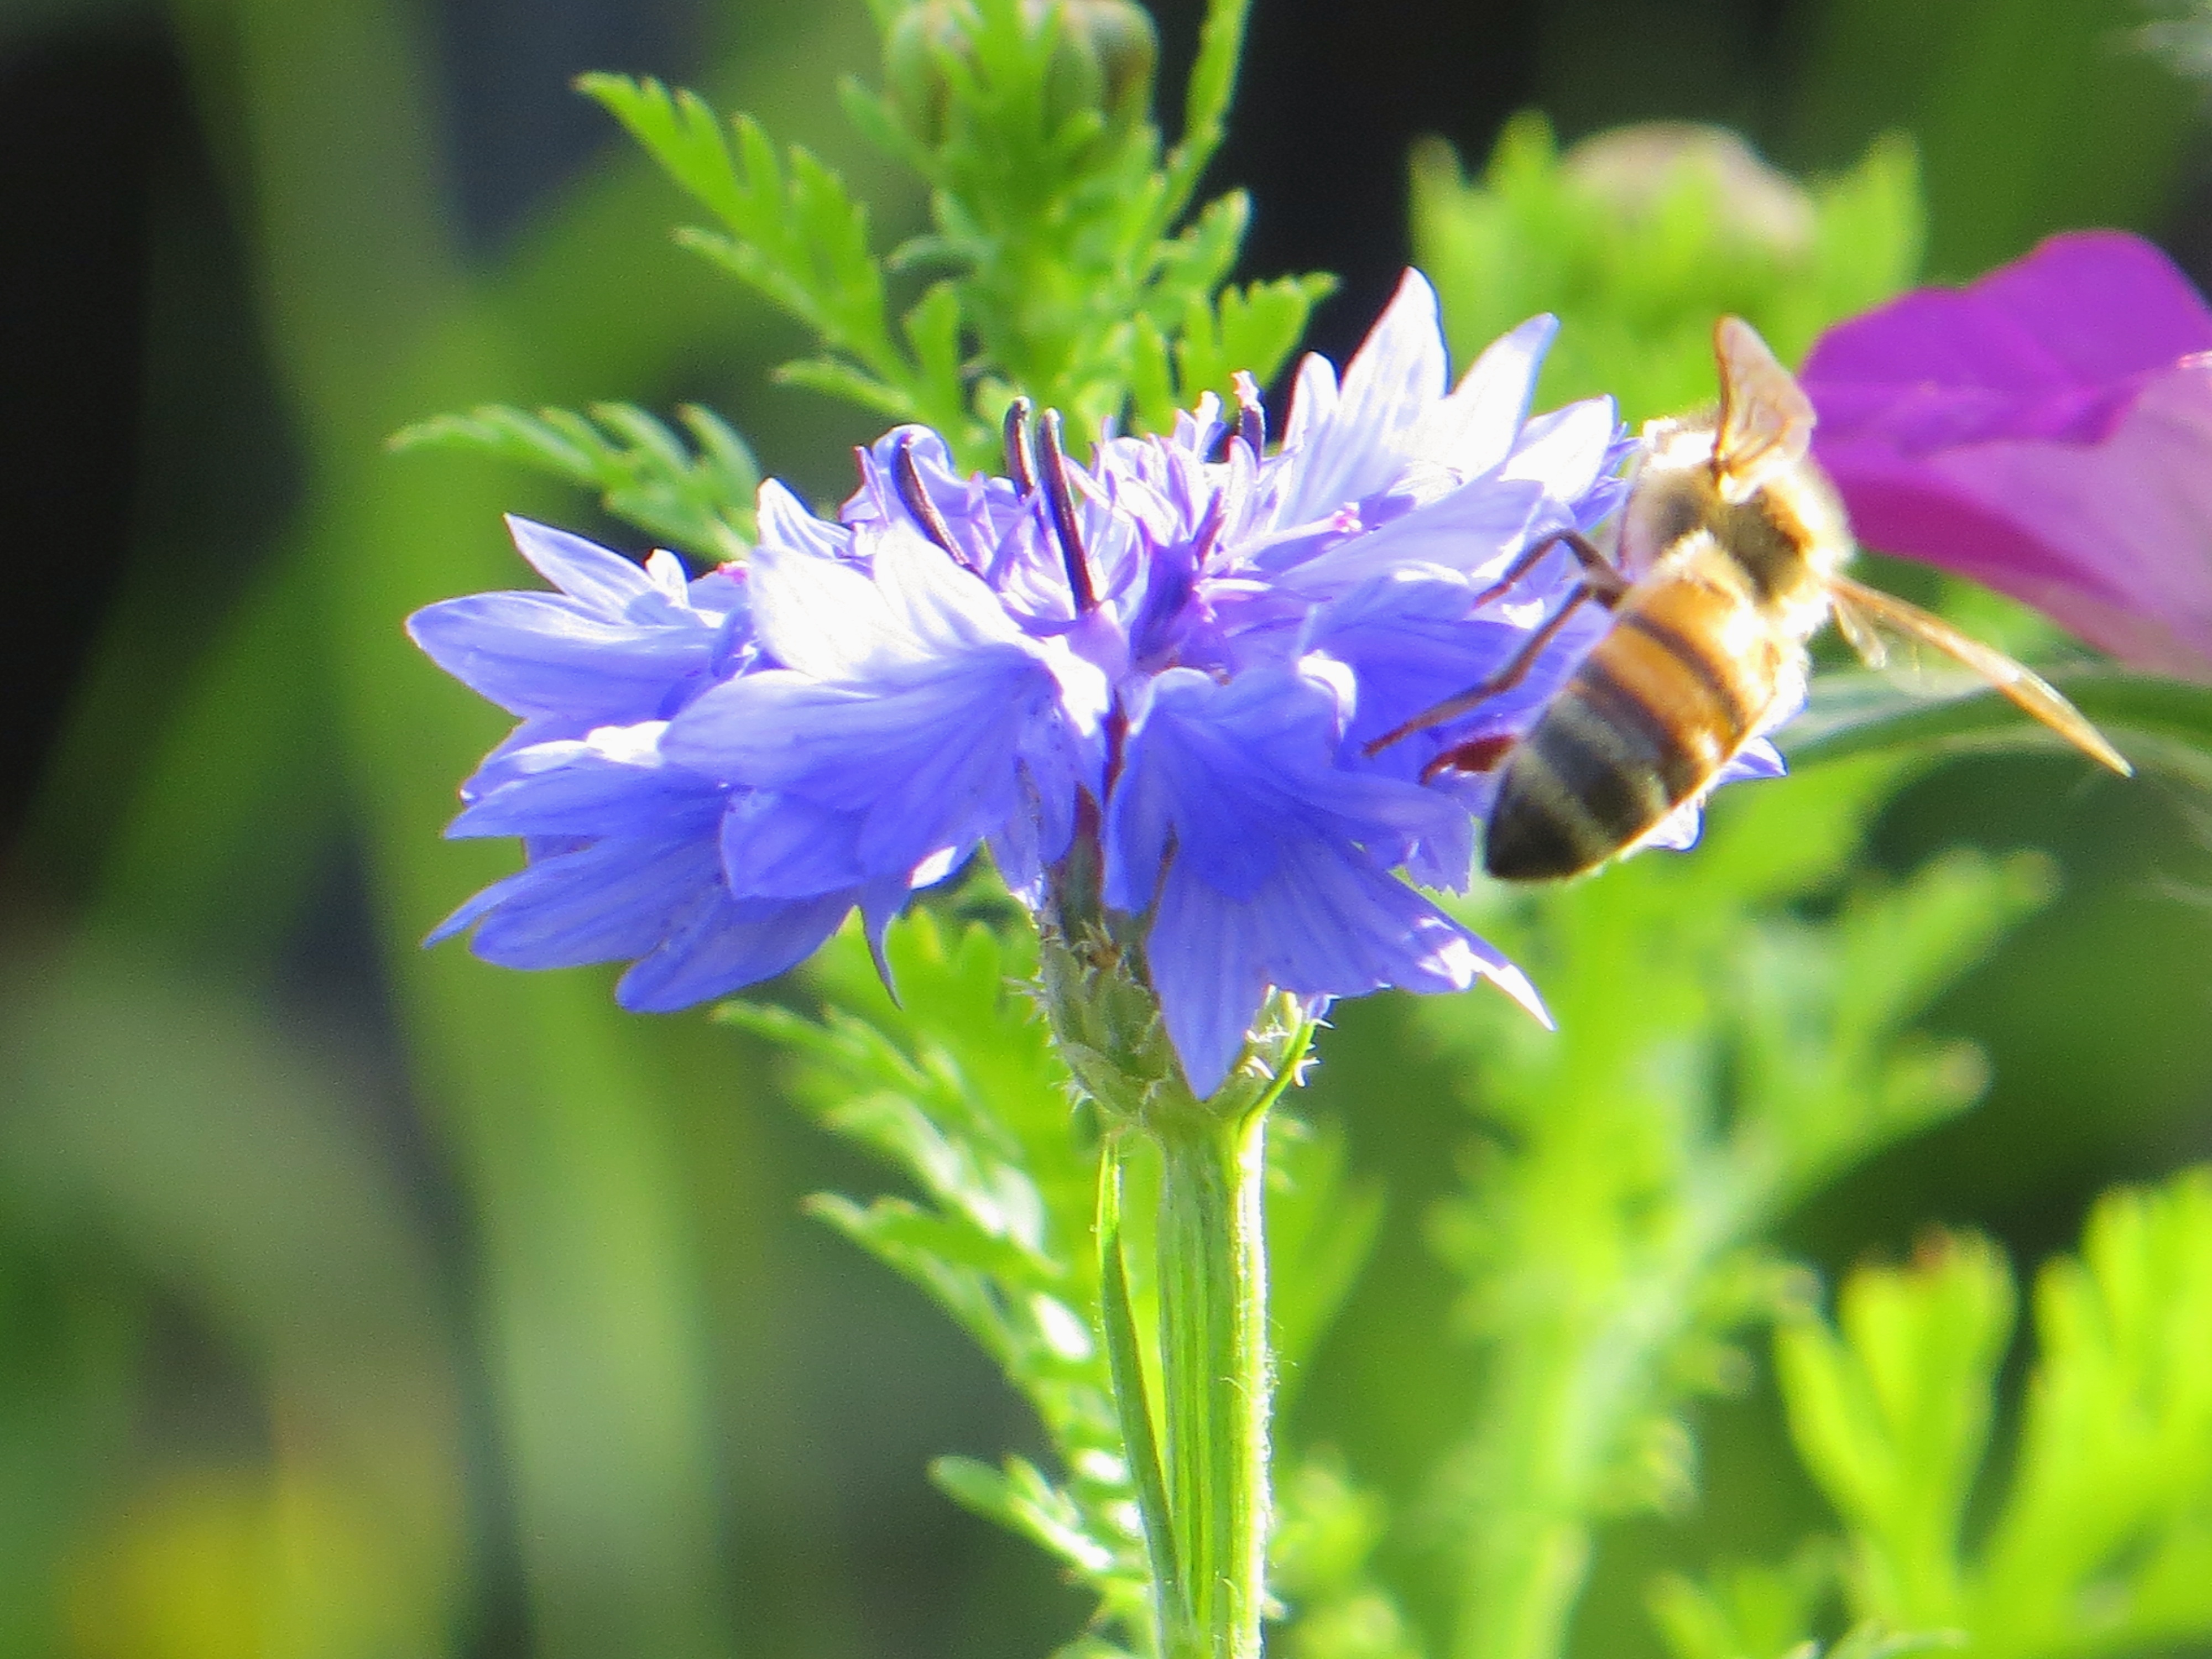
(1214, 1373)
(1133, 1405)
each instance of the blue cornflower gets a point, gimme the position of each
(623, 865)
(1179, 651)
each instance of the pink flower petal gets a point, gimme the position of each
(2047, 432)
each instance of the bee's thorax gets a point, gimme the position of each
(1787, 539)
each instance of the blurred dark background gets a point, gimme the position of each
(355, 1301)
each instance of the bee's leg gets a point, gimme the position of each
(1598, 571)
(1606, 593)
(1475, 754)
(1502, 681)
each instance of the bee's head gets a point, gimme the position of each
(1679, 443)
(1671, 492)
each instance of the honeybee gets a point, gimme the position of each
(1731, 551)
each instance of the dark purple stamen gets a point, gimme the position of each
(1252, 425)
(907, 474)
(1061, 496)
(1019, 467)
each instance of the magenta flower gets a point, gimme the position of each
(2046, 431)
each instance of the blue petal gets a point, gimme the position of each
(784, 524)
(819, 615)
(506, 762)
(1475, 528)
(613, 899)
(1327, 924)
(1473, 430)
(1233, 775)
(945, 723)
(599, 578)
(1313, 404)
(943, 746)
(1570, 450)
(776, 845)
(1395, 378)
(720, 592)
(1277, 858)
(540, 654)
(727, 943)
(1206, 970)
(880, 903)
(582, 788)
(1678, 831)
(1411, 641)
(1757, 759)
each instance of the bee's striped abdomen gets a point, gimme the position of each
(1675, 687)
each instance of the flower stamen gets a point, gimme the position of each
(1060, 495)
(1251, 414)
(1016, 429)
(906, 473)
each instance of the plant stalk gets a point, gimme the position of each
(1133, 1405)
(1215, 1379)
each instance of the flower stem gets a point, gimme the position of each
(1214, 1374)
(1133, 1406)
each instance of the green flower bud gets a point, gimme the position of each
(1633, 169)
(1105, 55)
(912, 82)
(1106, 58)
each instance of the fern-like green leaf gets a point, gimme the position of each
(1253, 328)
(697, 498)
(1637, 275)
(2102, 1542)
(956, 1087)
(789, 226)
(1746, 1610)
(1667, 1128)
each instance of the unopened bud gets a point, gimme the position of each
(1106, 59)
(1634, 168)
(1105, 55)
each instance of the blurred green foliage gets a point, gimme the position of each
(1718, 1060)
(258, 1396)
(1058, 217)
(2099, 1539)
(698, 495)
(1641, 238)
(956, 1087)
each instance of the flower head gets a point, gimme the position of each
(1178, 651)
(2046, 431)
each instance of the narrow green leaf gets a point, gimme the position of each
(1151, 379)
(1261, 324)
(643, 472)
(932, 330)
(1206, 102)
(2155, 722)
(1893, 1416)
(835, 377)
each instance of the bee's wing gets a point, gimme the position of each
(1767, 419)
(1861, 612)
(1856, 627)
